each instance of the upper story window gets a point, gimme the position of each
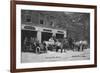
(28, 18)
(41, 21)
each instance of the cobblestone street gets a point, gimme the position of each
(55, 56)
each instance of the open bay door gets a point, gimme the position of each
(46, 36)
(59, 36)
(27, 34)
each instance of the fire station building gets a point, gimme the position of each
(41, 25)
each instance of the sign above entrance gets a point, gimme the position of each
(60, 31)
(29, 27)
(47, 30)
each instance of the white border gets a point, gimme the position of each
(20, 65)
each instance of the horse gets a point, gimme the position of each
(80, 45)
(62, 45)
(65, 45)
(49, 45)
(84, 44)
(58, 46)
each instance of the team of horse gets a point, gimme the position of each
(66, 45)
(56, 46)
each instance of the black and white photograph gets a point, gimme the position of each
(50, 36)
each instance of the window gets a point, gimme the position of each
(28, 18)
(52, 24)
(41, 22)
